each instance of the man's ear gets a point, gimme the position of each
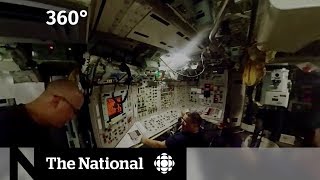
(55, 101)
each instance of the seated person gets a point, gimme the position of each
(189, 136)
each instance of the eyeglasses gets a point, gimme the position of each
(75, 110)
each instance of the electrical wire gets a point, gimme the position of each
(183, 74)
(123, 67)
(93, 76)
(91, 84)
(125, 97)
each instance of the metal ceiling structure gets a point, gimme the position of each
(139, 28)
(149, 22)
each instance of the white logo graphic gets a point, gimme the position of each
(164, 163)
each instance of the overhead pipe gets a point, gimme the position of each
(219, 18)
(103, 3)
(252, 20)
(214, 46)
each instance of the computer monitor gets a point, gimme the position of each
(114, 109)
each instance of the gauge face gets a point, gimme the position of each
(114, 109)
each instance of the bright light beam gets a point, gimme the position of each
(177, 60)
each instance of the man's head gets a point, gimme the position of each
(58, 104)
(191, 122)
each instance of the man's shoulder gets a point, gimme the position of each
(10, 110)
(17, 128)
(13, 111)
(15, 116)
(11, 125)
(13, 107)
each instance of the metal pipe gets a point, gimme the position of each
(253, 20)
(220, 16)
(98, 17)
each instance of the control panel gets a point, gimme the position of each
(147, 100)
(214, 89)
(142, 105)
(114, 133)
(167, 96)
(181, 96)
(194, 95)
(157, 123)
(211, 94)
(111, 118)
(153, 107)
(72, 134)
(215, 95)
(112, 107)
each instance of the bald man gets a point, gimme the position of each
(27, 125)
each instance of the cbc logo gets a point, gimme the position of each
(164, 163)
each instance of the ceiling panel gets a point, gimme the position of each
(130, 18)
(112, 14)
(157, 31)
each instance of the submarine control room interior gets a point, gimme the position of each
(246, 67)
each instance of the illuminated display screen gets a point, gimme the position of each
(114, 109)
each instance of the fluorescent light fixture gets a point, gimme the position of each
(177, 60)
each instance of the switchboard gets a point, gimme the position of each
(157, 123)
(154, 106)
(167, 96)
(111, 119)
(147, 97)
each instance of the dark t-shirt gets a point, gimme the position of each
(185, 139)
(18, 129)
